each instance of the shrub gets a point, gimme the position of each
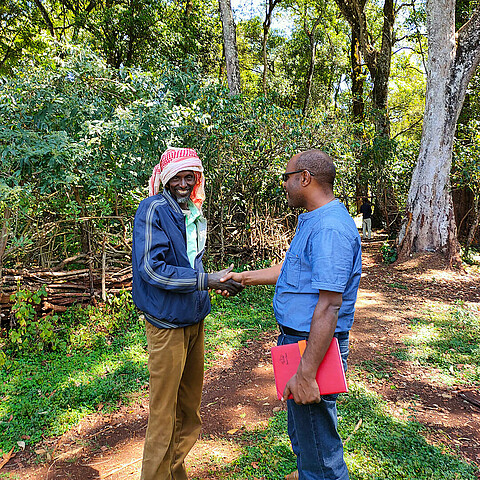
(389, 253)
(32, 333)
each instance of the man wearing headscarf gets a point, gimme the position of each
(170, 287)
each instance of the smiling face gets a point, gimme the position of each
(181, 186)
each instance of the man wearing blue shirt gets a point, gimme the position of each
(315, 294)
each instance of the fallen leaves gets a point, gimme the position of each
(6, 457)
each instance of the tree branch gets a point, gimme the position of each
(46, 17)
(468, 40)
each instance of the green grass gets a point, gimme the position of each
(266, 453)
(448, 340)
(45, 395)
(235, 320)
(378, 368)
(105, 362)
(383, 447)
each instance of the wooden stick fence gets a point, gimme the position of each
(64, 288)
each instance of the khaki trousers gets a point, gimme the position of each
(367, 228)
(175, 364)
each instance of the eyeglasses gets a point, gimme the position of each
(287, 174)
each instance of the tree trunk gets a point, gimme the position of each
(357, 76)
(230, 47)
(358, 110)
(311, 67)
(266, 28)
(452, 60)
(473, 227)
(381, 65)
(46, 17)
(187, 12)
(378, 62)
(4, 235)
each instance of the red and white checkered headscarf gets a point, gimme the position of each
(175, 160)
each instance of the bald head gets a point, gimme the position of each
(318, 163)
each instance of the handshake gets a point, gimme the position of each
(222, 282)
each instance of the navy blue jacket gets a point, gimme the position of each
(165, 287)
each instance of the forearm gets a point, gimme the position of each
(265, 276)
(149, 260)
(303, 385)
(173, 278)
(322, 329)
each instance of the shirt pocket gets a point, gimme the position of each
(293, 269)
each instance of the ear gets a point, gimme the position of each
(306, 178)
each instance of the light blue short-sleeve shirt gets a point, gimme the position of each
(325, 254)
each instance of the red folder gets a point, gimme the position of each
(330, 374)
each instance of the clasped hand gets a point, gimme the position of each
(303, 390)
(227, 288)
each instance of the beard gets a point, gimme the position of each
(182, 199)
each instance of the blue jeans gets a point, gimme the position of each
(313, 429)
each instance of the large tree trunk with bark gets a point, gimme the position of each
(452, 59)
(230, 47)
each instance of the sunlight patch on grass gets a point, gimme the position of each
(383, 447)
(210, 456)
(425, 333)
(448, 339)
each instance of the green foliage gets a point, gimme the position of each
(20, 32)
(80, 328)
(46, 393)
(466, 166)
(143, 33)
(32, 334)
(81, 140)
(291, 55)
(406, 99)
(389, 252)
(98, 326)
(471, 256)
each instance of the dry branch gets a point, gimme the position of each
(65, 288)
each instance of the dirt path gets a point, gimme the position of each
(239, 393)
